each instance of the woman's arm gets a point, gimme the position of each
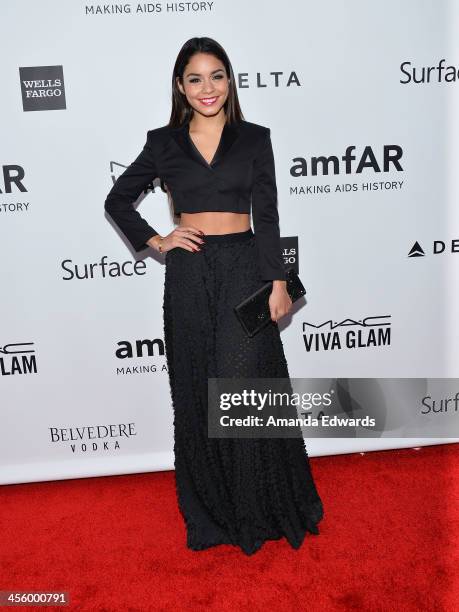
(124, 193)
(266, 225)
(265, 214)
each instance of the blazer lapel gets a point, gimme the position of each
(182, 137)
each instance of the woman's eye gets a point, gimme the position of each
(196, 79)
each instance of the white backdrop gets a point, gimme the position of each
(324, 77)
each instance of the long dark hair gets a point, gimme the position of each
(181, 110)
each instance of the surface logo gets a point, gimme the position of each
(42, 88)
(439, 73)
(102, 269)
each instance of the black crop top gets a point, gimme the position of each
(240, 178)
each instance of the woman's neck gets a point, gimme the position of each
(200, 123)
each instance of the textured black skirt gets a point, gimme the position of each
(239, 491)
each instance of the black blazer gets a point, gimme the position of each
(240, 178)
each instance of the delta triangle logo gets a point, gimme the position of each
(416, 250)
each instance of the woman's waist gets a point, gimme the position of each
(200, 203)
(217, 222)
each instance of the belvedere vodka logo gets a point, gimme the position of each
(85, 439)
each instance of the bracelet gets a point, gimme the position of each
(160, 245)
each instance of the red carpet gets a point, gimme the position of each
(388, 541)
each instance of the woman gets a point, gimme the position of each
(218, 168)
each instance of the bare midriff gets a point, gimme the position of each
(216, 222)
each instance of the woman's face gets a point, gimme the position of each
(205, 84)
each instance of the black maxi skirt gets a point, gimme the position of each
(239, 491)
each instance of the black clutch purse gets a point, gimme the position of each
(253, 312)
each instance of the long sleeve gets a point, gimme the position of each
(265, 213)
(124, 193)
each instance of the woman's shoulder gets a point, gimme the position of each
(159, 132)
(254, 128)
(158, 137)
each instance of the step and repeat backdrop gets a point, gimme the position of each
(362, 101)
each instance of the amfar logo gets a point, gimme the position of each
(17, 358)
(13, 175)
(140, 349)
(389, 160)
(12, 182)
(289, 246)
(349, 333)
(439, 246)
(125, 8)
(42, 88)
(429, 74)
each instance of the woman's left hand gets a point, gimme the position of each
(280, 302)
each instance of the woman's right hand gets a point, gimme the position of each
(184, 236)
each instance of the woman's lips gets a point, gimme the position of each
(208, 101)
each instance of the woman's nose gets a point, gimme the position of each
(208, 87)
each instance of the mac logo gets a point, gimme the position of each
(17, 358)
